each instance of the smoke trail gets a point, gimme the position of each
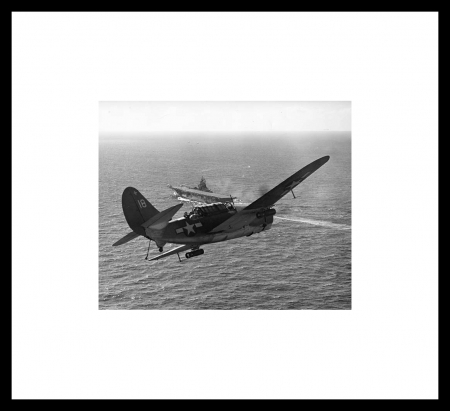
(263, 189)
(318, 222)
(227, 186)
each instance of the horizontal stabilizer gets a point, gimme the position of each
(160, 220)
(128, 237)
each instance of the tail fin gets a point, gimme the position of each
(137, 209)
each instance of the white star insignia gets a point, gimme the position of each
(189, 228)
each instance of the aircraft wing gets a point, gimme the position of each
(235, 222)
(247, 215)
(174, 251)
(271, 197)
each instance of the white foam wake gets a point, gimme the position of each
(318, 222)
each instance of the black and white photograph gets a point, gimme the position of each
(260, 192)
(225, 205)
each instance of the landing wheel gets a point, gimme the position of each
(160, 249)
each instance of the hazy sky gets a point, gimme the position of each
(148, 117)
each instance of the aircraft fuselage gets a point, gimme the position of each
(194, 230)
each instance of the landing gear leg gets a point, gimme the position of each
(146, 257)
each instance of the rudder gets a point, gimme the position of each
(137, 209)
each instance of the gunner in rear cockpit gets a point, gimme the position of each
(193, 215)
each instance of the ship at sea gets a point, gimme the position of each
(201, 193)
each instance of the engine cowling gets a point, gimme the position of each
(266, 213)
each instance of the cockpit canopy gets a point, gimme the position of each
(210, 210)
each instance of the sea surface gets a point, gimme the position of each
(302, 262)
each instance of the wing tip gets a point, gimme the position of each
(320, 161)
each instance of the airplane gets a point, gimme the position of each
(206, 224)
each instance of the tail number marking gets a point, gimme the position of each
(142, 203)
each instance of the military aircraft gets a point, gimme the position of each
(207, 224)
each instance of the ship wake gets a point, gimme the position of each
(318, 223)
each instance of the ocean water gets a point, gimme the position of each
(303, 262)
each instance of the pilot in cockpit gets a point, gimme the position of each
(193, 215)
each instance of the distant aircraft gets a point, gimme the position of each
(206, 224)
